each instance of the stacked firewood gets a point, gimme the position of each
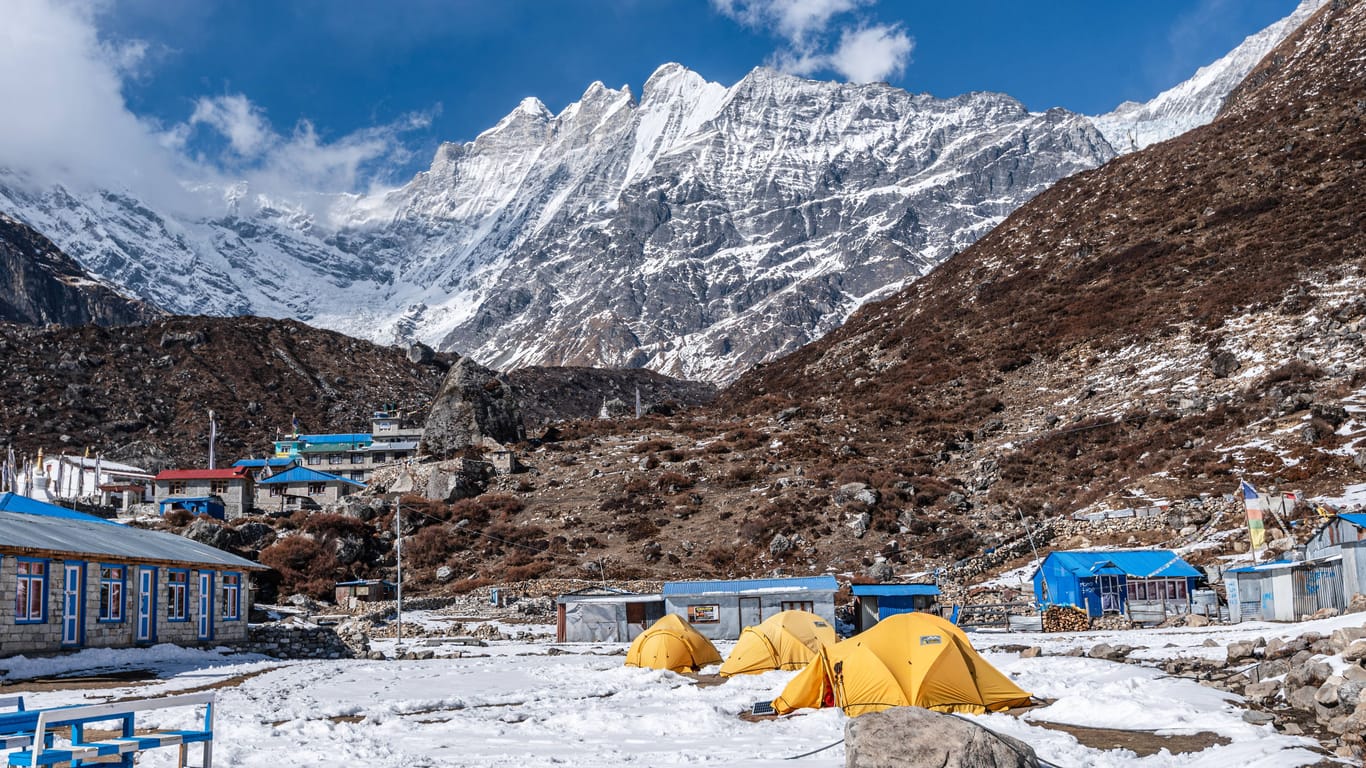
(1065, 618)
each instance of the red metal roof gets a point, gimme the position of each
(231, 473)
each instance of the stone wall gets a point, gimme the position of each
(302, 641)
(47, 635)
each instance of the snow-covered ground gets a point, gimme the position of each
(517, 704)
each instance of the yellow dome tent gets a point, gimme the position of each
(787, 640)
(910, 659)
(671, 643)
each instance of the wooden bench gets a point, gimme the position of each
(29, 727)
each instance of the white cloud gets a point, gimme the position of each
(795, 20)
(237, 119)
(67, 123)
(865, 53)
(65, 114)
(870, 54)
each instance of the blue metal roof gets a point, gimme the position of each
(1266, 566)
(345, 437)
(879, 590)
(258, 463)
(1355, 518)
(306, 475)
(13, 502)
(750, 585)
(1141, 563)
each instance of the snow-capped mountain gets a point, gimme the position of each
(695, 230)
(1195, 102)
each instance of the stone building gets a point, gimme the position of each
(302, 488)
(233, 486)
(70, 581)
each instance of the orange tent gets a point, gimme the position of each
(910, 659)
(671, 643)
(787, 640)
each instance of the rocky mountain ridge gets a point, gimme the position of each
(40, 285)
(694, 230)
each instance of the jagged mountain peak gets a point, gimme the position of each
(695, 231)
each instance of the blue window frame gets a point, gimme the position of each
(232, 597)
(113, 593)
(30, 595)
(177, 594)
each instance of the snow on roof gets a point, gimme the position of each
(812, 583)
(306, 475)
(1143, 563)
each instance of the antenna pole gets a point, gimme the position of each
(398, 545)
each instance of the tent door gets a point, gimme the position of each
(72, 613)
(751, 611)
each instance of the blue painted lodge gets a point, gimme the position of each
(1134, 581)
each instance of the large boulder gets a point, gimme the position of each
(911, 737)
(474, 407)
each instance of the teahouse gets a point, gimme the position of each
(69, 580)
(720, 610)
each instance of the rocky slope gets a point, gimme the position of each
(141, 394)
(39, 285)
(1151, 330)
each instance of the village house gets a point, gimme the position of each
(302, 488)
(97, 481)
(263, 468)
(1145, 584)
(354, 455)
(70, 581)
(189, 489)
(720, 610)
(1286, 590)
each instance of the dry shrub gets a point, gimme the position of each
(673, 482)
(650, 446)
(432, 546)
(304, 566)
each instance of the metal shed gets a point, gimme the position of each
(720, 610)
(605, 615)
(1338, 532)
(875, 602)
(1285, 591)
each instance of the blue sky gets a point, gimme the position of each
(350, 92)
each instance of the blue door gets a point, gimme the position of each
(147, 605)
(205, 605)
(73, 594)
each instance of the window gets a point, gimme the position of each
(218, 487)
(315, 459)
(30, 598)
(317, 489)
(232, 596)
(177, 488)
(377, 457)
(112, 581)
(177, 595)
(799, 605)
(357, 458)
(277, 490)
(334, 458)
(358, 476)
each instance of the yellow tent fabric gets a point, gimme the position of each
(671, 643)
(913, 659)
(787, 640)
